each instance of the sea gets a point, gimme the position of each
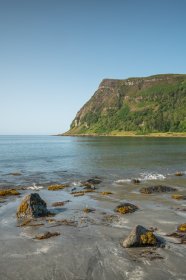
(40, 160)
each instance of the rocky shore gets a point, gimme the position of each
(93, 230)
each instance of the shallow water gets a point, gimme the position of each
(92, 249)
(42, 159)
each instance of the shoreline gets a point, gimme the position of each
(129, 134)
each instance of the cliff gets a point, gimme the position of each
(144, 105)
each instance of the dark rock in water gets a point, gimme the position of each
(140, 236)
(46, 235)
(92, 181)
(157, 189)
(179, 173)
(32, 206)
(88, 186)
(136, 181)
(15, 174)
(126, 208)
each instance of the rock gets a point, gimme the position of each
(46, 235)
(88, 210)
(9, 192)
(126, 208)
(179, 173)
(106, 193)
(136, 181)
(15, 174)
(57, 187)
(140, 236)
(179, 196)
(182, 228)
(89, 186)
(109, 219)
(93, 181)
(60, 203)
(32, 206)
(157, 189)
(180, 234)
(80, 193)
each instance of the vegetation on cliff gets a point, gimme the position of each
(143, 105)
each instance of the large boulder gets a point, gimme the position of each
(32, 206)
(140, 236)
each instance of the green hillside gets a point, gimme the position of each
(143, 105)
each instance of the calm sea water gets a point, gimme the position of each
(44, 159)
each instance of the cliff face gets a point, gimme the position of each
(152, 104)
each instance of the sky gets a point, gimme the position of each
(54, 54)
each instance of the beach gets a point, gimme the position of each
(89, 244)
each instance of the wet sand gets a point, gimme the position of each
(91, 249)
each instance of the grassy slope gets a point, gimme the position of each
(143, 109)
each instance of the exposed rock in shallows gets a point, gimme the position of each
(32, 206)
(135, 181)
(46, 235)
(92, 181)
(178, 173)
(140, 236)
(157, 189)
(126, 208)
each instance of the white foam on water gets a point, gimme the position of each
(34, 187)
(121, 181)
(152, 176)
(76, 183)
(147, 176)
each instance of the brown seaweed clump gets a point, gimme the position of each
(80, 193)
(60, 203)
(9, 192)
(46, 235)
(56, 187)
(88, 210)
(126, 208)
(179, 196)
(148, 238)
(182, 228)
(157, 189)
(106, 193)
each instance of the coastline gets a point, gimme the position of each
(128, 134)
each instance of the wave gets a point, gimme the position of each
(122, 181)
(151, 176)
(147, 176)
(34, 187)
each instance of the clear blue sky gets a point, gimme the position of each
(54, 54)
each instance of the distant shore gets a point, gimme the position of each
(127, 134)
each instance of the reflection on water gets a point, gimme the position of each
(49, 158)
